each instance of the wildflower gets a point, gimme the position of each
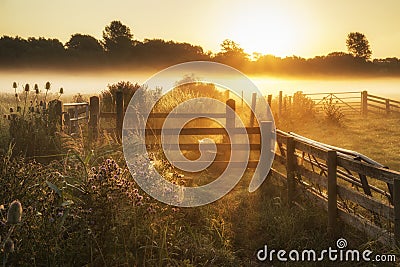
(9, 246)
(14, 212)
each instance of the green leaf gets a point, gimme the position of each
(67, 203)
(54, 188)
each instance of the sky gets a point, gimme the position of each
(304, 28)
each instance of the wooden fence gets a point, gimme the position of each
(377, 104)
(349, 189)
(348, 102)
(358, 193)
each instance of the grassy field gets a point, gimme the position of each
(84, 209)
(375, 136)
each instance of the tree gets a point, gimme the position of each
(232, 54)
(358, 45)
(83, 43)
(117, 37)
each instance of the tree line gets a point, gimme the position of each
(118, 48)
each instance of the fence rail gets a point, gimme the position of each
(332, 180)
(380, 104)
(350, 102)
(362, 194)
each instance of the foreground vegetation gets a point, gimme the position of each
(82, 207)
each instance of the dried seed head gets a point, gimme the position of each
(36, 87)
(61, 91)
(9, 246)
(14, 85)
(16, 95)
(26, 87)
(48, 86)
(14, 212)
(11, 110)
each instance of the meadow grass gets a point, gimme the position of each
(85, 209)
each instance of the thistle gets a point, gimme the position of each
(14, 212)
(36, 89)
(26, 96)
(61, 92)
(47, 90)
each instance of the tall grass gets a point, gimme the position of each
(85, 209)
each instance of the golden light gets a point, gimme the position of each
(273, 31)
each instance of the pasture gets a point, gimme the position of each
(81, 206)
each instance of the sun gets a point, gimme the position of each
(272, 32)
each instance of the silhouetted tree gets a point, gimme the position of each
(117, 37)
(161, 52)
(358, 45)
(232, 54)
(83, 43)
(12, 49)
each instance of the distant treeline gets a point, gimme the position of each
(118, 48)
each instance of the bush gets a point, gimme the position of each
(108, 96)
(333, 112)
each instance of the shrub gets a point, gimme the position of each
(108, 96)
(333, 112)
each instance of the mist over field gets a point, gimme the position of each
(93, 82)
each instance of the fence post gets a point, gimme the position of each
(364, 103)
(280, 104)
(290, 169)
(396, 203)
(55, 114)
(230, 122)
(55, 111)
(387, 104)
(269, 100)
(332, 191)
(94, 115)
(253, 108)
(119, 100)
